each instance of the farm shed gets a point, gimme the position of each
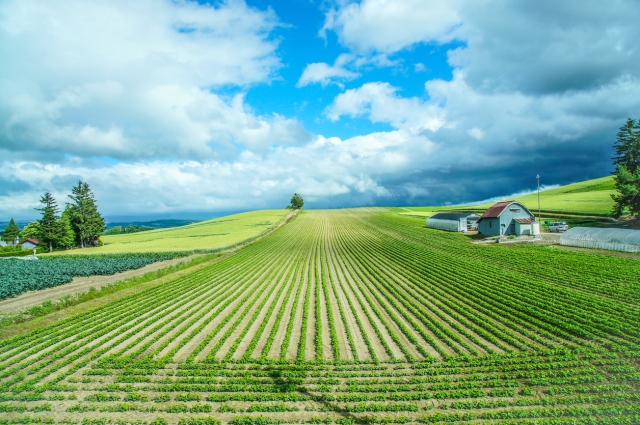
(508, 218)
(624, 240)
(29, 244)
(452, 222)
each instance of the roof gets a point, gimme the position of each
(451, 216)
(496, 210)
(524, 220)
(33, 241)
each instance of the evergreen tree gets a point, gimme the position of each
(67, 235)
(627, 146)
(86, 220)
(49, 223)
(296, 202)
(627, 174)
(11, 232)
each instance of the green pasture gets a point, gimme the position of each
(206, 235)
(591, 197)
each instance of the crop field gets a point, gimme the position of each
(18, 276)
(219, 233)
(348, 316)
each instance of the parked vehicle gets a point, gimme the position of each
(558, 226)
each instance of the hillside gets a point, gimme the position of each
(205, 235)
(591, 197)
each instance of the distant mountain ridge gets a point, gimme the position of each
(156, 224)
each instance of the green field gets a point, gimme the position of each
(348, 316)
(219, 233)
(591, 197)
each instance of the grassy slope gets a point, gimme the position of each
(211, 234)
(591, 197)
(588, 197)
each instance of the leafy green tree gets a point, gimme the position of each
(11, 232)
(86, 220)
(49, 223)
(627, 174)
(31, 230)
(296, 202)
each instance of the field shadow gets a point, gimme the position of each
(292, 380)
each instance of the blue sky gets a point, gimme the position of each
(179, 108)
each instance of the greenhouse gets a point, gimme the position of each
(452, 222)
(612, 239)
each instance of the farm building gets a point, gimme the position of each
(508, 218)
(29, 243)
(453, 222)
(624, 240)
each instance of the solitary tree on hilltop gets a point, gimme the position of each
(10, 232)
(627, 174)
(296, 202)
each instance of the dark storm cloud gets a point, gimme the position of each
(549, 46)
(9, 186)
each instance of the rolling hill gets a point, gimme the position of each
(589, 198)
(213, 234)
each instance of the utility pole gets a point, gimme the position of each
(539, 216)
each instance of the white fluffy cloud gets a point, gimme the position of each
(135, 80)
(323, 73)
(325, 168)
(380, 103)
(388, 26)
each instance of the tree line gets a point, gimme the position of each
(80, 223)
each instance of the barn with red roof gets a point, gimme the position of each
(508, 218)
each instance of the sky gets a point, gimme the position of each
(181, 109)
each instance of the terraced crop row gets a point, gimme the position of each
(343, 316)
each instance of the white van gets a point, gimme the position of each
(558, 226)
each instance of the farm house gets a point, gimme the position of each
(624, 240)
(29, 244)
(452, 222)
(508, 218)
